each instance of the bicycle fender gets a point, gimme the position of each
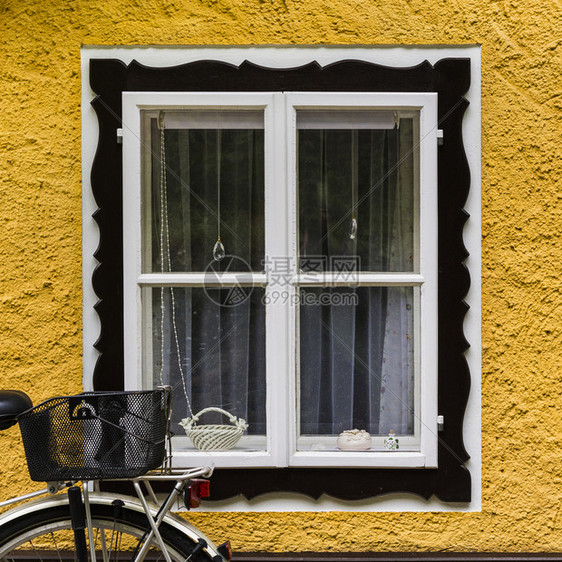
(101, 498)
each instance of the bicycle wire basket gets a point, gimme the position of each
(96, 435)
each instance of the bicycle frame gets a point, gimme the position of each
(181, 481)
(155, 513)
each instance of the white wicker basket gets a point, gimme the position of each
(214, 437)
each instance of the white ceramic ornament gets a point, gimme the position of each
(354, 440)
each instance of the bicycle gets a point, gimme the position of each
(88, 438)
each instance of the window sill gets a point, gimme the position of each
(359, 459)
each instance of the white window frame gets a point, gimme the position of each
(134, 279)
(281, 240)
(425, 440)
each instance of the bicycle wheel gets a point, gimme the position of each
(46, 534)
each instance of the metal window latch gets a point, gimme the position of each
(119, 136)
(440, 423)
(439, 136)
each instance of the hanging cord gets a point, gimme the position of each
(218, 249)
(354, 182)
(166, 264)
(219, 138)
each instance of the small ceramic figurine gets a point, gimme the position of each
(354, 440)
(391, 442)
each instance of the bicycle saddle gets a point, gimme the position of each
(12, 404)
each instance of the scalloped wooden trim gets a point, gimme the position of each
(450, 79)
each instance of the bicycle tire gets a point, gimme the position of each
(44, 534)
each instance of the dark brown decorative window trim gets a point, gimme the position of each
(450, 79)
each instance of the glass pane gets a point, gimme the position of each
(356, 363)
(211, 187)
(210, 348)
(357, 187)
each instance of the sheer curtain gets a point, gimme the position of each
(207, 345)
(357, 349)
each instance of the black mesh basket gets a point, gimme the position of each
(96, 435)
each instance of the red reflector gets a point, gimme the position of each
(198, 488)
(204, 489)
(192, 499)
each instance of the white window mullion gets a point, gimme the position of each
(277, 313)
(290, 131)
(354, 279)
(132, 234)
(210, 279)
(428, 229)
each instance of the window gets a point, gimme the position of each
(338, 302)
(287, 249)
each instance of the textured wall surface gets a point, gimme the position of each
(40, 236)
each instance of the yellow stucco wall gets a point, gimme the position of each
(40, 235)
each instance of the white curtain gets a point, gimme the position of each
(357, 359)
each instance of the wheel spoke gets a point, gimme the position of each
(35, 550)
(118, 544)
(56, 546)
(46, 534)
(112, 539)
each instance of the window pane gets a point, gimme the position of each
(363, 179)
(210, 351)
(212, 186)
(357, 362)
